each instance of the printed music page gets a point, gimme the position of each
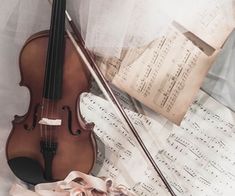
(165, 76)
(211, 20)
(197, 158)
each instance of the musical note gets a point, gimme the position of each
(210, 20)
(197, 158)
(163, 74)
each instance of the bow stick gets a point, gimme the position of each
(105, 88)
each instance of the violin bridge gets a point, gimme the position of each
(51, 122)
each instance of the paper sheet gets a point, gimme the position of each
(166, 76)
(210, 20)
(120, 152)
(197, 158)
(201, 151)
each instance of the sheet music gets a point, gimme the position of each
(202, 149)
(121, 151)
(197, 158)
(166, 76)
(211, 21)
(110, 66)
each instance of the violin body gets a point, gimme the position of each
(56, 148)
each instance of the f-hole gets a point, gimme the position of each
(35, 119)
(69, 121)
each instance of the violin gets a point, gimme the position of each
(51, 139)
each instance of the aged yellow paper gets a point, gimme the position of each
(166, 76)
(211, 22)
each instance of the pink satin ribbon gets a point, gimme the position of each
(86, 185)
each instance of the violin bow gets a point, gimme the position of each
(105, 88)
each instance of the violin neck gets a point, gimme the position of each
(53, 78)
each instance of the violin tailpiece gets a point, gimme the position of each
(48, 149)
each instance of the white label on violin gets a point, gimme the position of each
(52, 122)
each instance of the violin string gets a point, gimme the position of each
(62, 30)
(50, 86)
(53, 104)
(57, 45)
(41, 115)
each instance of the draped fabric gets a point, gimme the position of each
(107, 26)
(16, 26)
(220, 81)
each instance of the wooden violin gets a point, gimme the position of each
(51, 139)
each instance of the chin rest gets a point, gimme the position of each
(27, 169)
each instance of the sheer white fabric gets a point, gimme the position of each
(19, 19)
(107, 26)
(124, 23)
(220, 81)
(22, 18)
